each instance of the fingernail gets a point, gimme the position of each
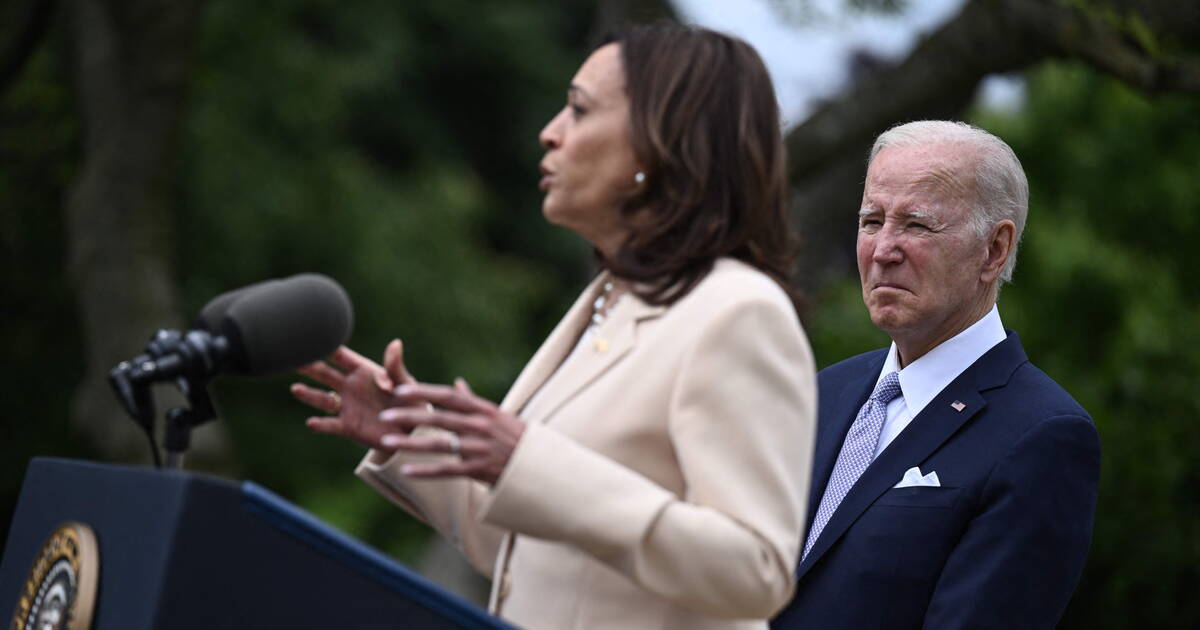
(391, 440)
(388, 415)
(402, 390)
(407, 469)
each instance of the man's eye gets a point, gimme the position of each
(577, 110)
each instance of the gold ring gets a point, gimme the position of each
(337, 403)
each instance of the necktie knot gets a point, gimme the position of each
(887, 389)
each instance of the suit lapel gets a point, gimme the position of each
(936, 423)
(833, 427)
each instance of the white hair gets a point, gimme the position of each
(1002, 191)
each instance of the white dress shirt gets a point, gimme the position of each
(926, 377)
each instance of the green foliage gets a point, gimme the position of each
(392, 146)
(1105, 303)
(1127, 19)
(39, 335)
(838, 324)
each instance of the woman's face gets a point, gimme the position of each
(589, 165)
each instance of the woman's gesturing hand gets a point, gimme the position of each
(483, 436)
(359, 389)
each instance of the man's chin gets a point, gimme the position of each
(889, 318)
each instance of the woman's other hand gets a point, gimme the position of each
(483, 436)
(358, 390)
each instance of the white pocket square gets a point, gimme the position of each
(913, 477)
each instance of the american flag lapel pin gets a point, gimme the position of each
(958, 405)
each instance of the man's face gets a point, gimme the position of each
(919, 259)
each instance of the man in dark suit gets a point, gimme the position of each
(954, 483)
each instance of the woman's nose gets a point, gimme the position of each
(551, 135)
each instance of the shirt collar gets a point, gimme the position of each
(926, 377)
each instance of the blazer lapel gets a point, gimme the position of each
(552, 351)
(936, 423)
(614, 339)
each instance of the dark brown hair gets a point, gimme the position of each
(705, 126)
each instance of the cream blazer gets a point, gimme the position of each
(662, 479)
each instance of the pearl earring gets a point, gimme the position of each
(639, 177)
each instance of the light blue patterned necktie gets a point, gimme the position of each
(857, 452)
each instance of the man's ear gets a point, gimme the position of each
(1000, 244)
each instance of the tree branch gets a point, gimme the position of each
(1133, 41)
(1128, 41)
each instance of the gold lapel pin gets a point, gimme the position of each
(958, 405)
(601, 344)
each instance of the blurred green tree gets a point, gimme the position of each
(1106, 302)
(393, 147)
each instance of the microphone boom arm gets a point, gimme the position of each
(187, 361)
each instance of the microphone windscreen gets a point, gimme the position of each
(289, 323)
(213, 313)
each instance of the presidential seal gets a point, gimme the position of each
(60, 592)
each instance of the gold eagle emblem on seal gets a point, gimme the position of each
(60, 592)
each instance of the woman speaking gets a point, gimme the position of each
(649, 467)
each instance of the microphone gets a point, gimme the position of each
(257, 330)
(283, 325)
(166, 342)
(211, 315)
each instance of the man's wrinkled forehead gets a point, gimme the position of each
(941, 172)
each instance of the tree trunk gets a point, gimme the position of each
(132, 68)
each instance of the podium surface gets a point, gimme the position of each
(179, 550)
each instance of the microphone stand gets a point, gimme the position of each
(134, 395)
(131, 381)
(181, 420)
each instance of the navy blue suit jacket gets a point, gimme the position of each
(1002, 542)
